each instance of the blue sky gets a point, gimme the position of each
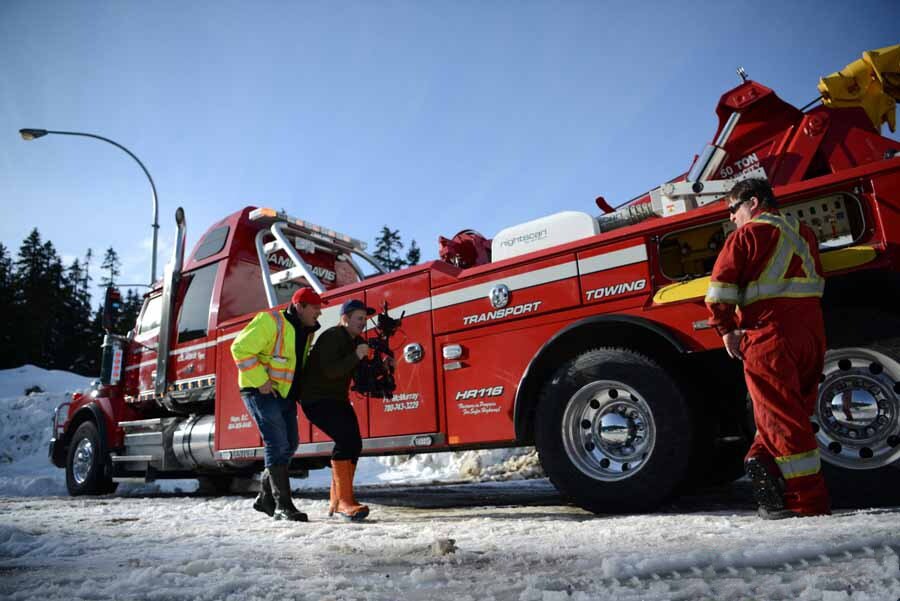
(428, 116)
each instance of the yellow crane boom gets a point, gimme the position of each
(872, 82)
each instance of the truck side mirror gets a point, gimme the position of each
(112, 307)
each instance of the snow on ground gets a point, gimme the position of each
(188, 547)
(512, 540)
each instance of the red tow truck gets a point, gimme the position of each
(583, 335)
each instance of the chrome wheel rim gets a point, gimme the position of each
(608, 430)
(857, 416)
(83, 460)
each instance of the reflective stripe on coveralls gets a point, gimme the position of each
(722, 292)
(772, 282)
(801, 464)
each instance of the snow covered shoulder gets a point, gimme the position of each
(28, 397)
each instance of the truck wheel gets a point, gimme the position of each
(857, 424)
(86, 463)
(613, 431)
(857, 415)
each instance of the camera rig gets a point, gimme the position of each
(375, 374)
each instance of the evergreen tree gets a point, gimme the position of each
(78, 346)
(34, 276)
(29, 265)
(47, 309)
(414, 254)
(88, 361)
(112, 265)
(387, 249)
(7, 310)
(6, 270)
(128, 314)
(55, 293)
(86, 274)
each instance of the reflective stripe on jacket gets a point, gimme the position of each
(773, 282)
(266, 350)
(771, 257)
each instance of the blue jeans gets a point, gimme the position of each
(277, 421)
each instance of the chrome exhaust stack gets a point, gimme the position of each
(171, 277)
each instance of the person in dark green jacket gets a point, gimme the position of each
(325, 401)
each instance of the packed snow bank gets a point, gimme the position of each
(499, 464)
(25, 430)
(14, 382)
(464, 466)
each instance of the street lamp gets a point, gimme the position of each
(29, 134)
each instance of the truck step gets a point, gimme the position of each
(132, 458)
(155, 424)
(143, 438)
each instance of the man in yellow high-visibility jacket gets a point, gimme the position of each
(270, 354)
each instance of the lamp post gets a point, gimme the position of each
(33, 134)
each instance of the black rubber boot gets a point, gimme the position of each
(281, 490)
(265, 502)
(768, 490)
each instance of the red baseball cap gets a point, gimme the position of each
(307, 296)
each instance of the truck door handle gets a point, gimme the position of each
(413, 353)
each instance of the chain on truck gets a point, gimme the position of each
(583, 335)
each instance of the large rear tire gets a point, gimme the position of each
(857, 424)
(86, 463)
(613, 431)
(857, 415)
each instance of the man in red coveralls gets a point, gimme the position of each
(769, 270)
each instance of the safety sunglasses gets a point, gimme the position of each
(734, 208)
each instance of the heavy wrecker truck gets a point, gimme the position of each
(583, 335)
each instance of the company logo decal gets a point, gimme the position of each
(322, 273)
(616, 289)
(477, 393)
(525, 238)
(501, 313)
(499, 296)
(477, 401)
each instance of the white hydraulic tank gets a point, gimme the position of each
(545, 232)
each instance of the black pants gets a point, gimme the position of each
(337, 419)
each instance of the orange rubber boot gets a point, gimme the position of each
(346, 506)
